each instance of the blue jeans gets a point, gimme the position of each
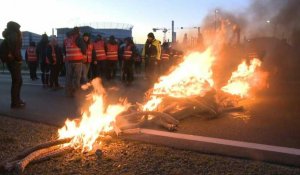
(85, 71)
(73, 77)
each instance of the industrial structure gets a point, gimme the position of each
(186, 40)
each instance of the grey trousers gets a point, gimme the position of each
(73, 76)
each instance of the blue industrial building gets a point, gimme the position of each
(119, 33)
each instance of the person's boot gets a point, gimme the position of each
(20, 104)
(47, 80)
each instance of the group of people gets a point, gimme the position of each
(86, 60)
(82, 59)
(49, 56)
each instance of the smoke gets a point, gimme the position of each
(275, 18)
(267, 18)
(271, 26)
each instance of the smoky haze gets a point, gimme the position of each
(269, 27)
(263, 18)
(278, 18)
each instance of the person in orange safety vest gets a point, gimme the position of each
(129, 52)
(165, 58)
(75, 52)
(87, 59)
(55, 59)
(99, 57)
(112, 58)
(32, 60)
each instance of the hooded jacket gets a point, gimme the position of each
(41, 49)
(152, 49)
(10, 48)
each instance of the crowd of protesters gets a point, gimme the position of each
(84, 58)
(81, 58)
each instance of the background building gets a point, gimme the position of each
(120, 31)
(28, 37)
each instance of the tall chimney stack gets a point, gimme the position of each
(173, 33)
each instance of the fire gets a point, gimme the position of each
(94, 123)
(192, 77)
(245, 78)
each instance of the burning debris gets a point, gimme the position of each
(85, 134)
(186, 91)
(189, 91)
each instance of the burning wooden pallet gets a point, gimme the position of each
(171, 110)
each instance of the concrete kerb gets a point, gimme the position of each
(232, 148)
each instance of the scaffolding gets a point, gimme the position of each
(107, 25)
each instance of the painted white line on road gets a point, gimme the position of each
(32, 84)
(249, 145)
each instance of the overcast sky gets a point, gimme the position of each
(41, 16)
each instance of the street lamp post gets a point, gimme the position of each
(273, 26)
(216, 11)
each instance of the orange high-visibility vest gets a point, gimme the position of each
(127, 52)
(252, 55)
(31, 53)
(165, 55)
(89, 53)
(53, 55)
(73, 52)
(112, 52)
(100, 51)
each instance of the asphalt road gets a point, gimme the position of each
(53, 107)
(273, 117)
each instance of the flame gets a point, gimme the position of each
(245, 78)
(192, 77)
(95, 122)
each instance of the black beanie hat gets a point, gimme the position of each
(86, 34)
(112, 37)
(99, 36)
(76, 30)
(13, 26)
(151, 35)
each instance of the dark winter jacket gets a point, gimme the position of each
(58, 54)
(41, 49)
(10, 48)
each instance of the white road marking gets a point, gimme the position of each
(32, 84)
